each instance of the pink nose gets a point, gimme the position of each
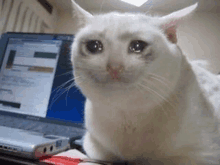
(115, 70)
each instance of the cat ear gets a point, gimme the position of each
(81, 15)
(169, 23)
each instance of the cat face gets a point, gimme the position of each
(117, 51)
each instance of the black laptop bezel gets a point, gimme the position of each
(3, 45)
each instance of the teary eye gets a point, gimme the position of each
(94, 46)
(137, 46)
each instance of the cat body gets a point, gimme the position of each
(209, 83)
(142, 105)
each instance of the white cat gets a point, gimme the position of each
(145, 102)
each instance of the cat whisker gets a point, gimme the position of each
(90, 69)
(148, 11)
(157, 94)
(98, 74)
(69, 87)
(167, 83)
(140, 90)
(59, 87)
(68, 92)
(72, 85)
(68, 63)
(160, 77)
(55, 99)
(64, 73)
(102, 71)
(163, 83)
(173, 103)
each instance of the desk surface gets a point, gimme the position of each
(12, 160)
(8, 159)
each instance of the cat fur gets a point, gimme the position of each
(165, 108)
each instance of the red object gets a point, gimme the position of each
(61, 160)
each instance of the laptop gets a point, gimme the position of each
(41, 111)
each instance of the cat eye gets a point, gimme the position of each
(94, 46)
(137, 46)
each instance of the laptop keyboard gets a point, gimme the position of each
(37, 126)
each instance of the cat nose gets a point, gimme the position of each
(115, 70)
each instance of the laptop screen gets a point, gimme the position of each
(36, 78)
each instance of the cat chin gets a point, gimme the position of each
(113, 85)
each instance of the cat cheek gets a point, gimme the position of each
(148, 55)
(82, 52)
(148, 58)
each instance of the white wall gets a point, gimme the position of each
(200, 39)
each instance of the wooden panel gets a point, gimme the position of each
(1, 6)
(4, 15)
(20, 18)
(39, 25)
(49, 19)
(33, 23)
(48, 30)
(27, 20)
(25, 16)
(13, 15)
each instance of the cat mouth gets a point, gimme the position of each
(104, 79)
(108, 79)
